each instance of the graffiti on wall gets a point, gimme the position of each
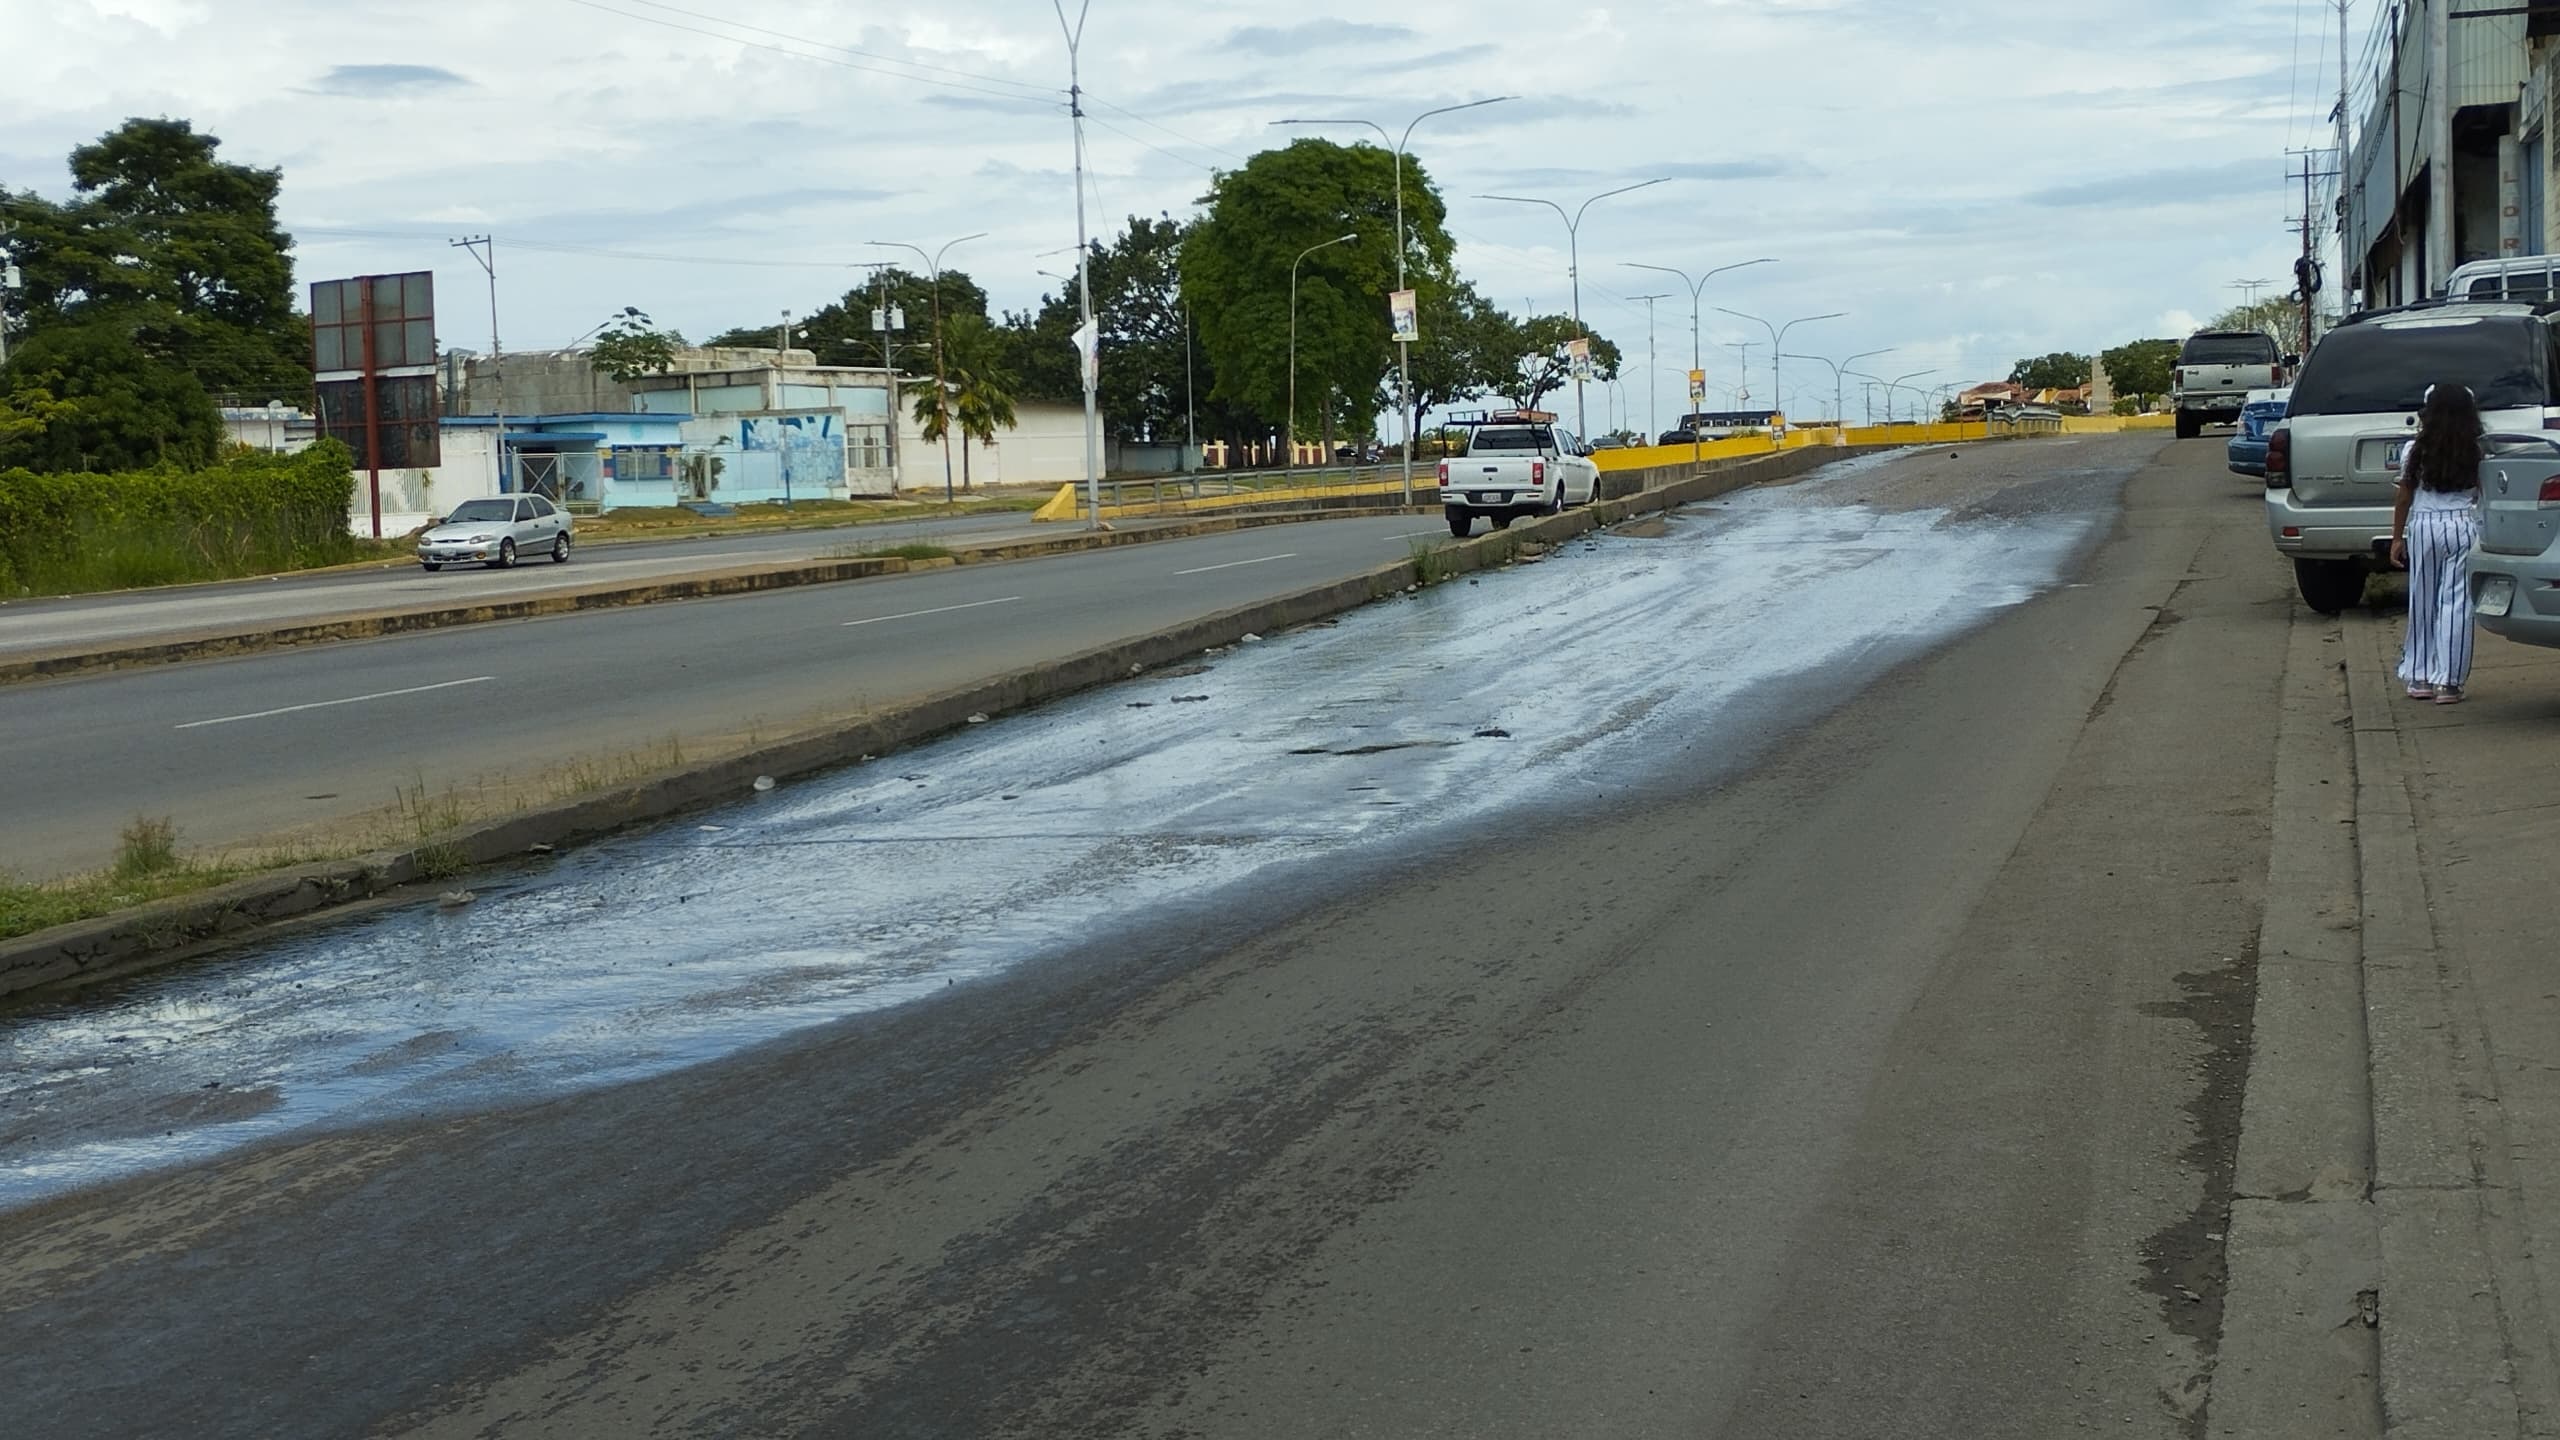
(810, 447)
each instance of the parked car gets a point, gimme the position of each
(2216, 371)
(2515, 568)
(2334, 462)
(1679, 436)
(2259, 415)
(2514, 277)
(1518, 462)
(496, 531)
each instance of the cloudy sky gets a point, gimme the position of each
(1969, 182)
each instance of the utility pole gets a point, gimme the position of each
(1652, 374)
(887, 319)
(485, 250)
(1088, 335)
(2346, 265)
(2307, 269)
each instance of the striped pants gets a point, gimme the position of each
(2438, 651)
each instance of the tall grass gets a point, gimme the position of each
(255, 514)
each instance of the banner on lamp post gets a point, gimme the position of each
(1086, 351)
(1403, 318)
(1697, 387)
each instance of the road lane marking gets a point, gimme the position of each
(1410, 534)
(325, 704)
(936, 610)
(1230, 565)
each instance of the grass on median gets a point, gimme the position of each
(150, 865)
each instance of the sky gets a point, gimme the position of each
(1966, 183)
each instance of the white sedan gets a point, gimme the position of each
(496, 531)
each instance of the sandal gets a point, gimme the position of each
(2449, 695)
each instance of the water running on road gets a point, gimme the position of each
(1324, 748)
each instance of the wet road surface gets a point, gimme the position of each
(1510, 1009)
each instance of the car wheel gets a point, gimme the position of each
(506, 556)
(430, 564)
(2329, 586)
(1461, 524)
(1501, 522)
(560, 548)
(2189, 427)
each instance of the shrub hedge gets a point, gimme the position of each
(249, 514)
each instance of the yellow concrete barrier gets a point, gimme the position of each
(1068, 503)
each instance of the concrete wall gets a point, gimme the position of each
(411, 497)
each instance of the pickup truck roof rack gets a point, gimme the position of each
(2440, 302)
(1502, 417)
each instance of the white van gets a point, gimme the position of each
(2517, 277)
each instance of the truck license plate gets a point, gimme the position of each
(2497, 595)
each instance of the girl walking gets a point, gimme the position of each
(2433, 524)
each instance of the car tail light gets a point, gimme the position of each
(1444, 472)
(2550, 491)
(2280, 460)
(1537, 472)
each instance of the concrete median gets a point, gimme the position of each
(90, 951)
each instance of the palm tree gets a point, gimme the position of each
(977, 389)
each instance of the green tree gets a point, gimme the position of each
(2277, 315)
(2141, 368)
(1236, 261)
(2060, 370)
(176, 248)
(1469, 348)
(840, 330)
(976, 394)
(632, 347)
(1538, 363)
(1138, 312)
(88, 396)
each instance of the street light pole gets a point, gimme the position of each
(1404, 348)
(1573, 264)
(1289, 427)
(1652, 370)
(941, 389)
(1778, 343)
(1839, 390)
(484, 250)
(1089, 344)
(1697, 359)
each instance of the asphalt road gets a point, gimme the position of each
(30, 626)
(1868, 1065)
(286, 743)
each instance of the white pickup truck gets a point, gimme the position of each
(2216, 371)
(1517, 462)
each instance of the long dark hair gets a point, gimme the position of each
(2447, 454)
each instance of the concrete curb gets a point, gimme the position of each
(165, 932)
(2298, 1352)
(365, 625)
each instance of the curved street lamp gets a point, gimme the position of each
(1573, 241)
(1696, 360)
(1404, 350)
(941, 389)
(1289, 431)
(1839, 392)
(1778, 343)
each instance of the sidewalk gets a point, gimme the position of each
(2395, 1243)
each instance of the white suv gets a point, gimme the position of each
(2334, 463)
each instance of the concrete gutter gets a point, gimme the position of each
(366, 625)
(164, 932)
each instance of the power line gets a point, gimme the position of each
(1124, 111)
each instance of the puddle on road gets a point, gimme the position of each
(958, 860)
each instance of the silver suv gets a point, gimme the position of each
(2334, 463)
